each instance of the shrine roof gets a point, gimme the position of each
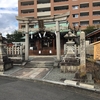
(93, 33)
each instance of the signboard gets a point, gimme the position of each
(41, 24)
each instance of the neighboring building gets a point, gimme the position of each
(93, 49)
(93, 36)
(82, 12)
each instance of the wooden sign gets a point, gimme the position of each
(41, 24)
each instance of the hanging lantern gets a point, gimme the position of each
(31, 36)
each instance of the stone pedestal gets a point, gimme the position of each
(89, 78)
(1, 66)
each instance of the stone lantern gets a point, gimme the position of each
(70, 61)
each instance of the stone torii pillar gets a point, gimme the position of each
(58, 41)
(27, 41)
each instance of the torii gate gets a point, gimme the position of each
(56, 19)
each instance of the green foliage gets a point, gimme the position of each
(89, 29)
(14, 37)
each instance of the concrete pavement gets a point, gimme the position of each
(19, 89)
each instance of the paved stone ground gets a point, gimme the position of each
(31, 73)
(28, 71)
(56, 75)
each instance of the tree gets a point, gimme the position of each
(14, 37)
(89, 29)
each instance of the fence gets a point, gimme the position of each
(15, 50)
(94, 50)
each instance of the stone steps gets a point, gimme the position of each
(40, 64)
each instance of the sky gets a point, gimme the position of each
(8, 11)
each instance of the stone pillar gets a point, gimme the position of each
(27, 42)
(58, 41)
(82, 54)
(1, 55)
(1, 60)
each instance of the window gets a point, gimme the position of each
(60, 0)
(43, 9)
(43, 1)
(84, 23)
(96, 21)
(96, 13)
(26, 3)
(83, 14)
(27, 11)
(75, 15)
(61, 8)
(84, 5)
(31, 26)
(22, 26)
(96, 4)
(76, 24)
(75, 7)
(74, 0)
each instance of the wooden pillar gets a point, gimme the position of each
(53, 44)
(95, 39)
(38, 45)
(53, 49)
